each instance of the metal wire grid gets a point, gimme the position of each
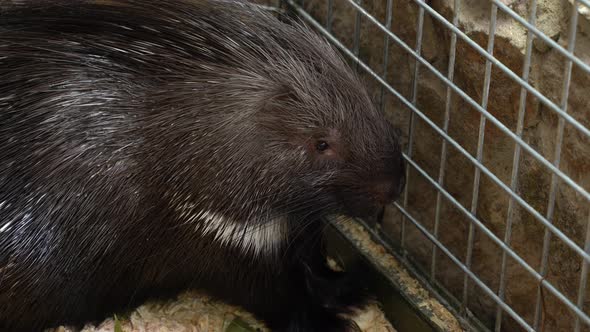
(553, 166)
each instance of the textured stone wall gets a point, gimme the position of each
(540, 131)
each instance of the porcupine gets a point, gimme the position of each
(148, 147)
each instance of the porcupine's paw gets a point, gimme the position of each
(343, 292)
(333, 297)
(317, 320)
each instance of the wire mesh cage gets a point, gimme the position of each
(492, 100)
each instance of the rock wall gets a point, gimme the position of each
(539, 130)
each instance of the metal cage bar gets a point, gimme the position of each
(388, 19)
(516, 158)
(557, 176)
(412, 124)
(443, 152)
(480, 141)
(557, 158)
(583, 277)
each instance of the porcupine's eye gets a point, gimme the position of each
(322, 146)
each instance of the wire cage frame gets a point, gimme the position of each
(504, 315)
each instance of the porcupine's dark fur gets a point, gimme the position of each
(148, 147)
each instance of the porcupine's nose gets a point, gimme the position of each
(389, 188)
